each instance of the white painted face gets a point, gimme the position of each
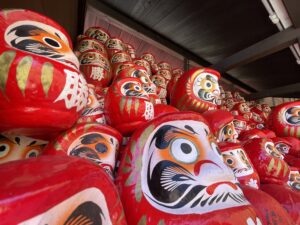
(19, 147)
(86, 207)
(144, 77)
(206, 87)
(238, 162)
(282, 148)
(239, 125)
(183, 171)
(292, 116)
(42, 40)
(93, 106)
(133, 89)
(271, 150)
(96, 147)
(294, 180)
(228, 133)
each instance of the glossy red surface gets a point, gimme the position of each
(35, 83)
(270, 167)
(267, 207)
(288, 198)
(38, 185)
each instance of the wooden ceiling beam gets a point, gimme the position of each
(268, 46)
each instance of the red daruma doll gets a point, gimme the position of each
(41, 89)
(285, 119)
(58, 190)
(127, 105)
(172, 172)
(196, 90)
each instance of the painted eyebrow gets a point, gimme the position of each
(191, 129)
(32, 143)
(58, 35)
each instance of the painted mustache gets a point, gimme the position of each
(174, 187)
(207, 96)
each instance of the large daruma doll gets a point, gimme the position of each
(41, 88)
(196, 90)
(172, 172)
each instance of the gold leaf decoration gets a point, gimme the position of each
(6, 58)
(23, 70)
(47, 76)
(143, 220)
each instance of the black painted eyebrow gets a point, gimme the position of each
(58, 35)
(32, 143)
(91, 138)
(191, 129)
(17, 139)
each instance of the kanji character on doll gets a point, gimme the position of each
(95, 68)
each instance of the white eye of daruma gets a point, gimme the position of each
(144, 79)
(136, 87)
(32, 153)
(184, 151)
(208, 84)
(52, 42)
(4, 150)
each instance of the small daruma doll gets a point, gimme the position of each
(240, 124)
(243, 110)
(196, 90)
(41, 89)
(92, 141)
(127, 105)
(172, 172)
(285, 119)
(98, 33)
(237, 159)
(267, 160)
(141, 73)
(58, 190)
(96, 68)
(221, 123)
